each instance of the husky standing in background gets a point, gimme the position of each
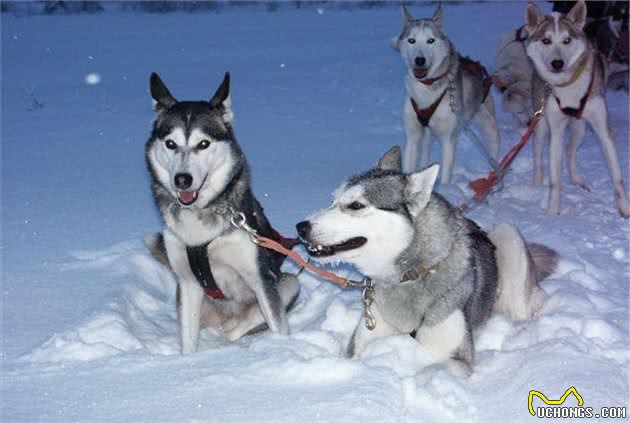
(576, 73)
(436, 273)
(513, 76)
(200, 179)
(444, 90)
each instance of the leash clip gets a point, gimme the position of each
(239, 221)
(367, 298)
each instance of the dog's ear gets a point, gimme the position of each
(533, 18)
(391, 160)
(419, 187)
(393, 43)
(577, 14)
(406, 16)
(161, 95)
(221, 99)
(437, 16)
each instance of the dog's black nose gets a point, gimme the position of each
(303, 229)
(557, 64)
(183, 180)
(420, 61)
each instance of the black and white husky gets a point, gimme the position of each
(567, 62)
(201, 184)
(436, 273)
(444, 90)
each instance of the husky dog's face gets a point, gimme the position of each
(422, 44)
(190, 151)
(556, 43)
(371, 219)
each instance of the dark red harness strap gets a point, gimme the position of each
(519, 35)
(572, 111)
(424, 115)
(477, 70)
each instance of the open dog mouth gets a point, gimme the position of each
(187, 198)
(420, 72)
(330, 250)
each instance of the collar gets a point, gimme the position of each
(579, 71)
(430, 81)
(415, 274)
(571, 111)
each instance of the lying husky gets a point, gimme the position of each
(576, 73)
(200, 182)
(444, 89)
(436, 273)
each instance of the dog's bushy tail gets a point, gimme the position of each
(155, 244)
(545, 260)
(520, 267)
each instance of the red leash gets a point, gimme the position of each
(483, 186)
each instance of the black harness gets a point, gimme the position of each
(200, 266)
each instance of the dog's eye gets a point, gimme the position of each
(566, 40)
(170, 144)
(430, 40)
(203, 145)
(546, 41)
(355, 205)
(411, 40)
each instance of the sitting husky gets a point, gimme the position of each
(566, 61)
(436, 273)
(200, 182)
(444, 89)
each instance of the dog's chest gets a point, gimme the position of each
(194, 229)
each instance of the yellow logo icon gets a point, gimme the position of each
(547, 401)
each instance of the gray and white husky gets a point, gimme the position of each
(200, 182)
(436, 273)
(576, 73)
(444, 89)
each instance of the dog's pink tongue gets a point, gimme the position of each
(187, 197)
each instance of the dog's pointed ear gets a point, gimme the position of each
(161, 95)
(437, 16)
(419, 187)
(406, 16)
(221, 99)
(533, 18)
(577, 14)
(391, 160)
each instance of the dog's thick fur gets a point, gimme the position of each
(199, 174)
(387, 224)
(567, 62)
(429, 54)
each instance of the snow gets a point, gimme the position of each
(89, 327)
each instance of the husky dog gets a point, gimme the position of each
(513, 76)
(200, 179)
(437, 274)
(566, 61)
(444, 89)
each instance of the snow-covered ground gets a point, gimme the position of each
(89, 330)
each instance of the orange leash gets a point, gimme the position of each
(277, 247)
(483, 186)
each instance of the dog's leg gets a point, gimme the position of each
(486, 120)
(576, 137)
(448, 156)
(450, 339)
(190, 292)
(541, 132)
(417, 136)
(557, 125)
(252, 318)
(598, 119)
(362, 336)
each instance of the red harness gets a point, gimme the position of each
(572, 111)
(468, 65)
